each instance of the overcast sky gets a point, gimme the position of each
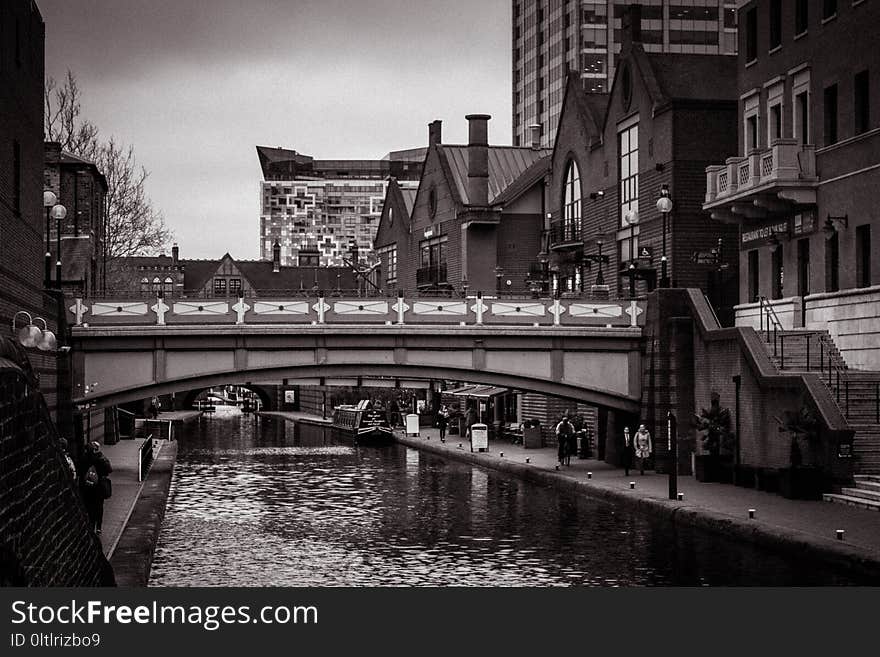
(196, 85)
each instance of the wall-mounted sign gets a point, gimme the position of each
(803, 223)
(764, 232)
(290, 396)
(646, 252)
(844, 450)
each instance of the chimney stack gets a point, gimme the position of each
(478, 159)
(175, 254)
(535, 130)
(276, 257)
(435, 133)
(631, 26)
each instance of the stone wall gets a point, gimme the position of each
(44, 535)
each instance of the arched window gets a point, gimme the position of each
(571, 203)
(145, 285)
(157, 284)
(167, 286)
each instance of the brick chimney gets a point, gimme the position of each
(478, 158)
(276, 257)
(175, 254)
(535, 132)
(631, 26)
(435, 133)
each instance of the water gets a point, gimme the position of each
(260, 502)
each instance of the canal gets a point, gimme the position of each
(262, 502)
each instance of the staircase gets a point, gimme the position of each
(857, 392)
(865, 494)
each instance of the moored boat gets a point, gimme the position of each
(364, 422)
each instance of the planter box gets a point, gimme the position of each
(767, 479)
(532, 438)
(745, 476)
(801, 483)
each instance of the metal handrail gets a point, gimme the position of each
(145, 457)
(712, 308)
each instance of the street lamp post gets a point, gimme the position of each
(59, 212)
(632, 219)
(664, 206)
(49, 200)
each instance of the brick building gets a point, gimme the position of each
(615, 155)
(803, 186)
(21, 186)
(224, 278)
(81, 188)
(476, 220)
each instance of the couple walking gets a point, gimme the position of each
(638, 446)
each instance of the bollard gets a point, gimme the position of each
(528, 460)
(680, 497)
(501, 454)
(751, 514)
(839, 533)
(557, 467)
(632, 485)
(459, 444)
(589, 475)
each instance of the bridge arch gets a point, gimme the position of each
(267, 402)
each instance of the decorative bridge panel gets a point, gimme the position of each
(472, 311)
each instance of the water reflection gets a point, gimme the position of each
(259, 502)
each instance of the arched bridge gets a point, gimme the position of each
(582, 350)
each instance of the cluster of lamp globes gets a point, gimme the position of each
(32, 336)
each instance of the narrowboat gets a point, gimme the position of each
(363, 422)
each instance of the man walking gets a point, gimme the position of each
(564, 433)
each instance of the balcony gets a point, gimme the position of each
(763, 183)
(566, 235)
(431, 276)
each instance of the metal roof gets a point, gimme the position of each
(506, 164)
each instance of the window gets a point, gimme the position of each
(16, 177)
(754, 275)
(861, 102)
(145, 285)
(832, 263)
(863, 255)
(803, 264)
(235, 287)
(628, 171)
(752, 34)
(800, 95)
(777, 283)
(829, 9)
(801, 16)
(751, 110)
(775, 23)
(167, 286)
(774, 112)
(157, 284)
(388, 256)
(751, 132)
(830, 109)
(571, 204)
(219, 287)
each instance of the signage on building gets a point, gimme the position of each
(764, 232)
(290, 396)
(646, 252)
(803, 223)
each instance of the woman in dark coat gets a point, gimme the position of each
(442, 421)
(95, 483)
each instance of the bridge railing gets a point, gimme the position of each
(469, 310)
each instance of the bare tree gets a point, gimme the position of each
(133, 226)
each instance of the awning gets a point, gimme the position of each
(480, 392)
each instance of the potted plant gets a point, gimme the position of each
(532, 434)
(715, 464)
(803, 478)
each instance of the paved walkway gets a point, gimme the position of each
(126, 489)
(814, 520)
(180, 416)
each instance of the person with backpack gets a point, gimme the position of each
(564, 435)
(442, 422)
(95, 484)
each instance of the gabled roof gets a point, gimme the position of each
(197, 272)
(590, 107)
(409, 198)
(506, 165)
(535, 173)
(70, 158)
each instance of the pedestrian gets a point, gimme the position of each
(63, 446)
(95, 484)
(643, 447)
(154, 408)
(564, 434)
(470, 419)
(394, 413)
(442, 422)
(627, 451)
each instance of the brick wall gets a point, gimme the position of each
(44, 535)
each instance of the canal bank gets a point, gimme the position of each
(801, 528)
(136, 514)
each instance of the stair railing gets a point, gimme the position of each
(833, 372)
(769, 319)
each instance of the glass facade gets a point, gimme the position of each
(552, 37)
(327, 214)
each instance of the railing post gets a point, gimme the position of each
(838, 386)
(400, 307)
(774, 340)
(877, 402)
(846, 390)
(782, 352)
(808, 351)
(821, 355)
